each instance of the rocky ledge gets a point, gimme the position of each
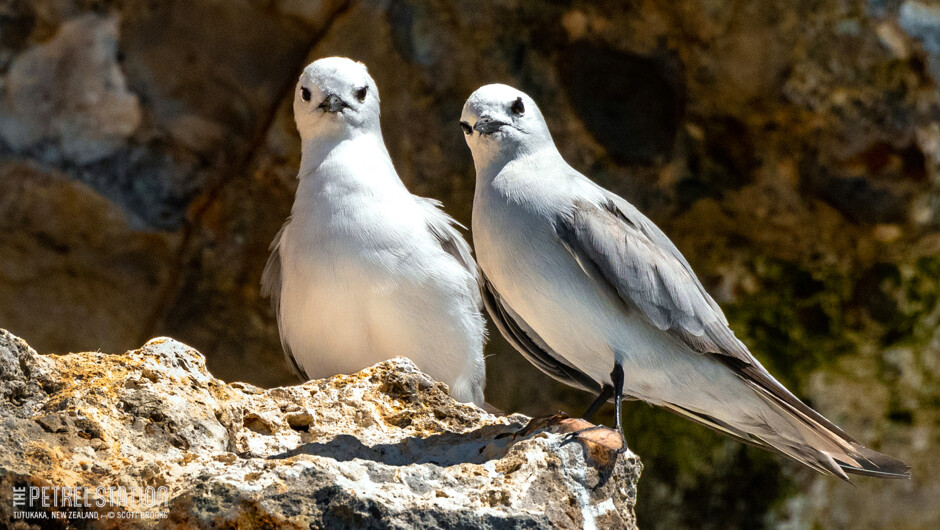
(383, 448)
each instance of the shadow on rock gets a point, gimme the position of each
(478, 446)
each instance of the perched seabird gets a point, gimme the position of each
(363, 270)
(596, 296)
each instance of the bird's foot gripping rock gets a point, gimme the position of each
(601, 443)
(601, 435)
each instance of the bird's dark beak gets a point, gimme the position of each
(333, 103)
(487, 125)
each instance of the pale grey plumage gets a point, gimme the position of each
(439, 224)
(530, 345)
(620, 248)
(444, 228)
(576, 278)
(624, 251)
(271, 288)
(363, 270)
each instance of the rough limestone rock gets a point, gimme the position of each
(383, 448)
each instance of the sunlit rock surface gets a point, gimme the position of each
(384, 448)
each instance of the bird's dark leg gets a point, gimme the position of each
(606, 393)
(616, 376)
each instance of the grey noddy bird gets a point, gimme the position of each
(595, 295)
(363, 270)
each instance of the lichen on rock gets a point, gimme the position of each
(384, 448)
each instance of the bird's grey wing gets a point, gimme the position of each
(530, 345)
(271, 288)
(622, 250)
(444, 228)
(620, 207)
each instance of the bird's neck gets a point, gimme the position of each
(524, 164)
(317, 150)
(358, 166)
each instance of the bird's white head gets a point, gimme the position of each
(500, 122)
(336, 98)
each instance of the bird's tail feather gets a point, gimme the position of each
(879, 465)
(821, 445)
(792, 429)
(826, 466)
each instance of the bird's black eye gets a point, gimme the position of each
(467, 129)
(517, 107)
(305, 93)
(360, 93)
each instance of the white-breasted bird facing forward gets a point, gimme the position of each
(595, 295)
(363, 270)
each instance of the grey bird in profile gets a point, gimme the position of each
(595, 295)
(363, 270)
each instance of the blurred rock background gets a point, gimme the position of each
(792, 152)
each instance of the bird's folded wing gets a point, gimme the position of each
(271, 287)
(530, 345)
(624, 251)
(444, 228)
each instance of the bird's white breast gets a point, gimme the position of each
(363, 280)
